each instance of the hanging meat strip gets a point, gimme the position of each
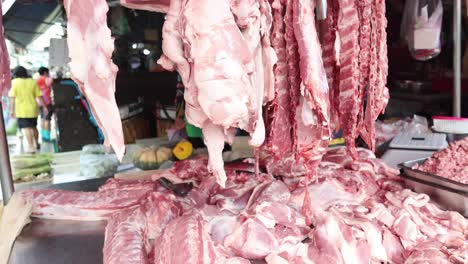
(349, 97)
(330, 60)
(365, 12)
(90, 46)
(253, 17)
(377, 94)
(312, 116)
(279, 140)
(5, 78)
(293, 66)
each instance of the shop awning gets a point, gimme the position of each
(24, 21)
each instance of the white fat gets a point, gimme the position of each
(308, 117)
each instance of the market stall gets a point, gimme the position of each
(261, 135)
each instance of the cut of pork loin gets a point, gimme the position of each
(160, 209)
(84, 206)
(185, 240)
(126, 238)
(128, 231)
(116, 184)
(5, 78)
(90, 45)
(161, 6)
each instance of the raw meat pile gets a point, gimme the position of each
(360, 213)
(450, 163)
(5, 78)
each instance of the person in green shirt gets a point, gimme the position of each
(24, 95)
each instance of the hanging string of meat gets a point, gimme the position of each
(330, 60)
(5, 74)
(377, 93)
(278, 121)
(356, 68)
(90, 47)
(313, 131)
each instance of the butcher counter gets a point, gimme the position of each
(57, 241)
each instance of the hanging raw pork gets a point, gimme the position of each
(90, 46)
(226, 63)
(5, 74)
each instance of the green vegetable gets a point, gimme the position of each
(25, 163)
(47, 156)
(20, 173)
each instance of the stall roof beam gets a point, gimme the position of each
(6, 5)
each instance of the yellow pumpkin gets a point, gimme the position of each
(151, 158)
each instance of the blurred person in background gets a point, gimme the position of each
(24, 95)
(45, 84)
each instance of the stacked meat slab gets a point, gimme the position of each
(360, 213)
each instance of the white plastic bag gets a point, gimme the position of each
(94, 149)
(421, 27)
(98, 165)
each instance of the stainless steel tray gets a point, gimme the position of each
(407, 169)
(46, 241)
(448, 194)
